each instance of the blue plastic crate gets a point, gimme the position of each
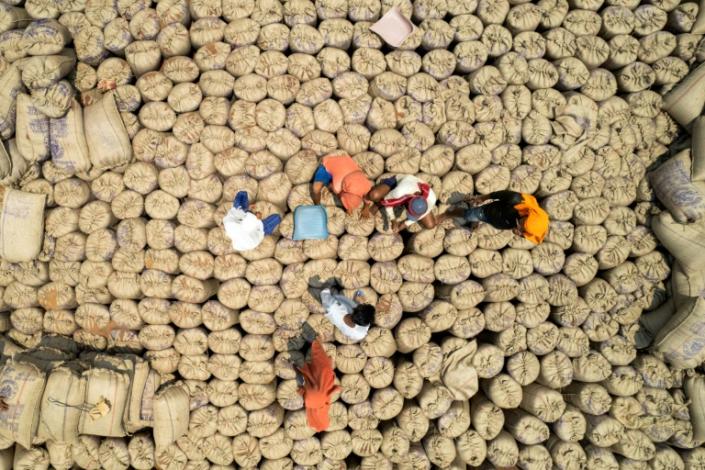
(310, 223)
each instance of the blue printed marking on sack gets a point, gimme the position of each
(8, 389)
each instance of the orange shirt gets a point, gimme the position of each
(349, 182)
(318, 388)
(536, 219)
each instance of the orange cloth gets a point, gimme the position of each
(536, 222)
(349, 182)
(318, 388)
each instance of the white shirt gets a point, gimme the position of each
(244, 229)
(406, 186)
(337, 307)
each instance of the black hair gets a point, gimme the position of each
(363, 314)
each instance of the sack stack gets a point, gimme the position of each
(128, 127)
(57, 398)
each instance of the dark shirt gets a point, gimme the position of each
(500, 213)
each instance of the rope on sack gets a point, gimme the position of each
(95, 411)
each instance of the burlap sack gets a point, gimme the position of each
(589, 398)
(110, 387)
(488, 360)
(29, 208)
(30, 457)
(277, 445)
(61, 405)
(458, 373)
(356, 390)
(526, 428)
(165, 361)
(635, 445)
(29, 384)
(685, 324)
(500, 288)
(499, 316)
(624, 381)
(113, 453)
(60, 454)
(571, 426)
(591, 368)
(170, 414)
(511, 340)
(411, 333)
(439, 316)
(413, 422)
(378, 372)
(85, 451)
(542, 402)
(415, 296)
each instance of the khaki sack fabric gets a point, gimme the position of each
(107, 394)
(21, 224)
(142, 382)
(681, 342)
(699, 25)
(671, 183)
(171, 415)
(61, 405)
(22, 386)
(67, 141)
(695, 391)
(684, 241)
(697, 169)
(10, 86)
(108, 142)
(458, 374)
(685, 102)
(32, 132)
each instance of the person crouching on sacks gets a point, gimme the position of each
(352, 317)
(506, 210)
(316, 381)
(410, 193)
(245, 228)
(342, 175)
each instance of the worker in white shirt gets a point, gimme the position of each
(352, 317)
(244, 225)
(409, 192)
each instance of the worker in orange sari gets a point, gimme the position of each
(506, 210)
(317, 384)
(342, 175)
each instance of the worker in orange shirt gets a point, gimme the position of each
(317, 385)
(342, 175)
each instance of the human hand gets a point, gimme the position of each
(518, 230)
(397, 226)
(359, 296)
(366, 210)
(253, 209)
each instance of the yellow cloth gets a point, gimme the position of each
(536, 219)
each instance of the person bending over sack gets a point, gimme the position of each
(410, 193)
(342, 175)
(244, 225)
(506, 210)
(353, 319)
(316, 381)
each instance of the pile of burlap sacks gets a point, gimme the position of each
(68, 400)
(129, 126)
